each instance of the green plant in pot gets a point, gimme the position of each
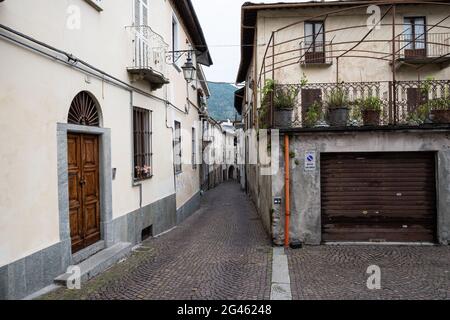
(439, 109)
(284, 101)
(313, 115)
(371, 111)
(266, 100)
(338, 110)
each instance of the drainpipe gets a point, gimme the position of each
(286, 191)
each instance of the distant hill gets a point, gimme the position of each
(221, 102)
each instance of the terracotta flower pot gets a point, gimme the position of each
(338, 117)
(371, 117)
(440, 116)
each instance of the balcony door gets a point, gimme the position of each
(141, 12)
(415, 37)
(142, 33)
(314, 42)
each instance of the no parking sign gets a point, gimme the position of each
(310, 161)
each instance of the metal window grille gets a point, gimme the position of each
(142, 142)
(177, 147)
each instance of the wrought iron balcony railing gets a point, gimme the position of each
(403, 103)
(149, 56)
(317, 53)
(422, 48)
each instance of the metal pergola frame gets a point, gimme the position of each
(270, 65)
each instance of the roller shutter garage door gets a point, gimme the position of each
(378, 197)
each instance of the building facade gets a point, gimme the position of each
(101, 132)
(313, 72)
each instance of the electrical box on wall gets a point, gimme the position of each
(97, 4)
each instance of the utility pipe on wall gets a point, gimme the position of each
(286, 191)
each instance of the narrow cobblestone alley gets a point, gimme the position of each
(221, 252)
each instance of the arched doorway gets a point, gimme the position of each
(231, 173)
(84, 172)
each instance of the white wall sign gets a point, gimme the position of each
(97, 4)
(310, 161)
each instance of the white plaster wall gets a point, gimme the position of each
(35, 95)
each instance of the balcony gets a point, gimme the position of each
(149, 57)
(435, 49)
(316, 54)
(403, 104)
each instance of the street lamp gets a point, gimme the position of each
(189, 69)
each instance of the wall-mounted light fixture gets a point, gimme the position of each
(189, 70)
(188, 67)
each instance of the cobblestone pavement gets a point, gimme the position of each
(339, 272)
(220, 252)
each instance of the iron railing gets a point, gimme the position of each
(433, 45)
(317, 53)
(400, 102)
(149, 49)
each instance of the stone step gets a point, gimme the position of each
(98, 263)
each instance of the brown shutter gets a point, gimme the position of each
(378, 196)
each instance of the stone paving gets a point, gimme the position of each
(339, 272)
(220, 252)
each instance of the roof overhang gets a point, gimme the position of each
(239, 99)
(186, 13)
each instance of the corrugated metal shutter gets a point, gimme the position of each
(378, 197)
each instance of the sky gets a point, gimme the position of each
(221, 21)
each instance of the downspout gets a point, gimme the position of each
(286, 191)
(166, 94)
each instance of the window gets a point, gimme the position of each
(177, 147)
(142, 143)
(194, 149)
(141, 12)
(415, 36)
(315, 36)
(314, 42)
(175, 46)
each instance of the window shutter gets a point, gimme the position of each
(145, 12)
(137, 12)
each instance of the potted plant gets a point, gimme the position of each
(337, 104)
(284, 100)
(371, 111)
(267, 92)
(313, 115)
(440, 110)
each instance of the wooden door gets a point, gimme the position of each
(378, 197)
(84, 190)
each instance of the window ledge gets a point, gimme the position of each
(137, 181)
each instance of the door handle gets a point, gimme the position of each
(82, 182)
